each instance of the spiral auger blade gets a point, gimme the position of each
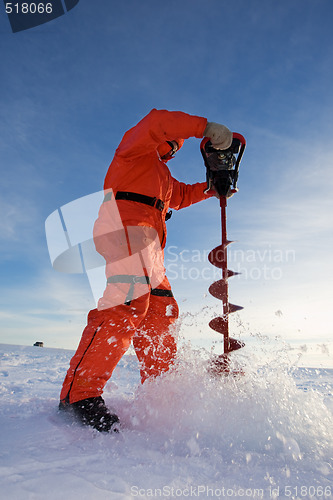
(219, 289)
(222, 174)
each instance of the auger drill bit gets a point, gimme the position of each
(219, 290)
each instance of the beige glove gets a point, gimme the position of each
(220, 136)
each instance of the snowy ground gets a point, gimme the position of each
(266, 435)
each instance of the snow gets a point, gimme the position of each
(267, 434)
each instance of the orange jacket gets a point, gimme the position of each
(137, 167)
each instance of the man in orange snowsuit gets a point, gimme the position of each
(137, 305)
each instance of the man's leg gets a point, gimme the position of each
(154, 341)
(104, 341)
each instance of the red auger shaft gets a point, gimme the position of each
(225, 295)
(219, 258)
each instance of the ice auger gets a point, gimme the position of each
(222, 174)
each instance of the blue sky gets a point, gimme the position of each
(72, 87)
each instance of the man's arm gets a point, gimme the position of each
(184, 195)
(157, 127)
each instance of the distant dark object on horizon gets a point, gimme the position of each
(39, 344)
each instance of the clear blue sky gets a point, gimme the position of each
(72, 87)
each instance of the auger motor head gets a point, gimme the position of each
(222, 165)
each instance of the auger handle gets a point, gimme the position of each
(242, 140)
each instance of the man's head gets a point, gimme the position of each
(168, 149)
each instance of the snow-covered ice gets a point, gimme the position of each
(267, 434)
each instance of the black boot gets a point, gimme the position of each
(92, 411)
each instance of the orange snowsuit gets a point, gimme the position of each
(137, 305)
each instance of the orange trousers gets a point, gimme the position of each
(146, 322)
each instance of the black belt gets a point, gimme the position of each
(161, 292)
(132, 280)
(152, 201)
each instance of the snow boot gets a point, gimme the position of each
(92, 411)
